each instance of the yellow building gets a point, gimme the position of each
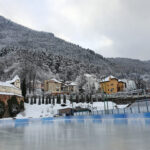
(52, 86)
(111, 85)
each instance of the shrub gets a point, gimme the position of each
(2, 109)
(13, 106)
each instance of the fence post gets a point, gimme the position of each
(118, 110)
(147, 106)
(124, 110)
(131, 110)
(138, 107)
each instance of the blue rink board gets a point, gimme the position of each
(116, 119)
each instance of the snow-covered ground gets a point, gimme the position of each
(43, 110)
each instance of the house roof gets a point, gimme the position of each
(6, 84)
(9, 83)
(73, 84)
(107, 79)
(121, 81)
(55, 80)
(13, 80)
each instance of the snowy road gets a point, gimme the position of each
(70, 135)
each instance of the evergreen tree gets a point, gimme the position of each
(49, 99)
(58, 99)
(64, 99)
(82, 98)
(87, 99)
(23, 88)
(42, 99)
(77, 99)
(71, 99)
(53, 100)
(91, 99)
(31, 101)
(2, 108)
(39, 103)
(34, 99)
(46, 101)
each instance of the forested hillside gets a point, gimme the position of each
(38, 55)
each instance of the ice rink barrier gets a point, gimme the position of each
(115, 118)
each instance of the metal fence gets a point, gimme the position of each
(140, 106)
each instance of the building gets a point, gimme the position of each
(112, 85)
(9, 89)
(53, 86)
(56, 87)
(72, 87)
(130, 85)
(66, 112)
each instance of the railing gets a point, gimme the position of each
(140, 106)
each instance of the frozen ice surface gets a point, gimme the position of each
(77, 135)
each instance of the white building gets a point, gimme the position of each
(130, 84)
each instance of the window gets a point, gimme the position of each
(112, 89)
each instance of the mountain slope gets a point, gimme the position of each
(12, 34)
(41, 55)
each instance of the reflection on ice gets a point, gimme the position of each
(121, 134)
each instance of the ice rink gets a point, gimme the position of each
(120, 134)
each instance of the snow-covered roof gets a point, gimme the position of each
(121, 81)
(55, 80)
(107, 79)
(9, 83)
(6, 84)
(88, 75)
(73, 84)
(13, 80)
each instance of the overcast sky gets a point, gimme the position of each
(113, 28)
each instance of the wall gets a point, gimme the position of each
(8, 89)
(52, 87)
(110, 86)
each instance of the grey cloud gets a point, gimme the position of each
(113, 28)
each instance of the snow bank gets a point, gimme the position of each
(37, 111)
